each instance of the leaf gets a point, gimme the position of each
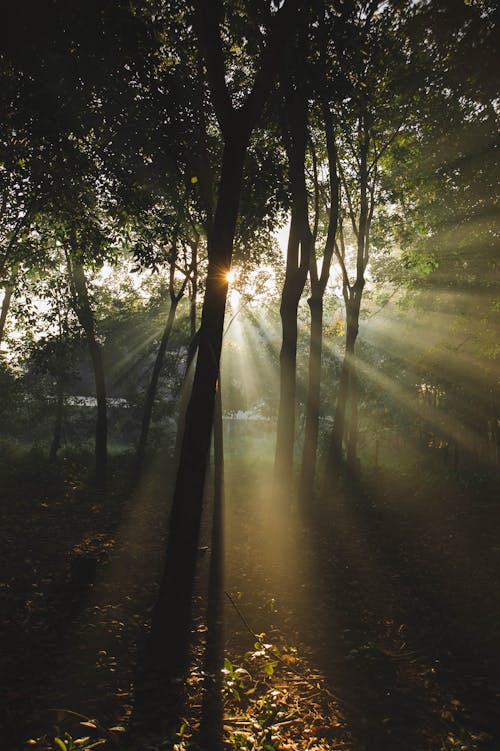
(268, 668)
(59, 742)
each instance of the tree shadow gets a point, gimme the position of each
(405, 629)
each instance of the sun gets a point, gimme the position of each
(230, 276)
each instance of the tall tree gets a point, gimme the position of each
(378, 84)
(295, 133)
(318, 282)
(83, 310)
(169, 638)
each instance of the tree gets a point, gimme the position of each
(378, 84)
(297, 266)
(169, 639)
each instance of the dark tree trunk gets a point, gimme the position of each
(318, 287)
(212, 711)
(339, 419)
(352, 441)
(193, 293)
(339, 430)
(308, 470)
(167, 655)
(285, 432)
(7, 298)
(297, 266)
(86, 320)
(56, 440)
(168, 646)
(153, 384)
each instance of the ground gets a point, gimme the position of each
(368, 623)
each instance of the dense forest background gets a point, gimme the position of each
(249, 332)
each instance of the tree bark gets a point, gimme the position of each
(285, 431)
(86, 319)
(309, 453)
(212, 710)
(318, 287)
(335, 453)
(7, 299)
(193, 292)
(297, 266)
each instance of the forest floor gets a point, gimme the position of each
(368, 623)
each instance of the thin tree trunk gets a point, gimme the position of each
(193, 293)
(309, 453)
(352, 441)
(335, 453)
(153, 383)
(7, 299)
(86, 320)
(56, 440)
(318, 287)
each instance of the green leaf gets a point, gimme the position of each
(59, 742)
(268, 668)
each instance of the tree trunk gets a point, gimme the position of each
(168, 646)
(56, 440)
(285, 432)
(193, 293)
(86, 320)
(297, 266)
(352, 440)
(309, 453)
(212, 711)
(7, 298)
(335, 453)
(153, 383)
(167, 656)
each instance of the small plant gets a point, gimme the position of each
(236, 679)
(65, 742)
(465, 741)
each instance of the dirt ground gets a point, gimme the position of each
(384, 601)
